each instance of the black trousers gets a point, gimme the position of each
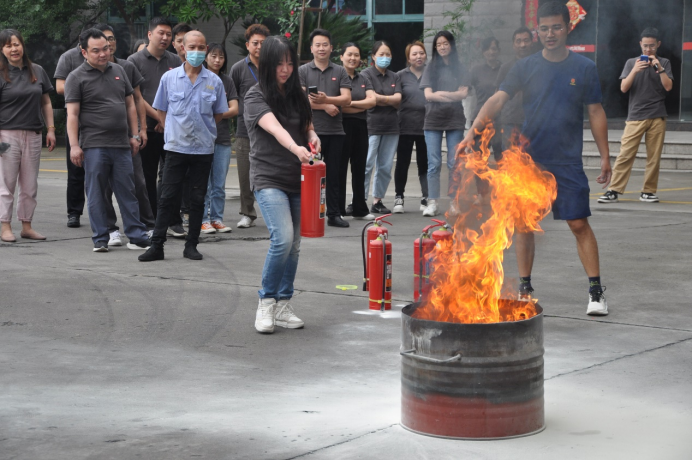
(177, 166)
(404, 151)
(75, 186)
(332, 145)
(153, 160)
(355, 151)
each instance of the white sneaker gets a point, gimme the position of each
(431, 208)
(264, 318)
(284, 315)
(245, 222)
(150, 233)
(399, 205)
(424, 203)
(597, 304)
(115, 239)
(368, 217)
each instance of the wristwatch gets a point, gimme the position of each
(136, 137)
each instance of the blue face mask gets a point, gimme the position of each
(195, 58)
(383, 62)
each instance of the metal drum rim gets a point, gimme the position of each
(541, 429)
(409, 309)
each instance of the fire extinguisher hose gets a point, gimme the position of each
(363, 251)
(382, 302)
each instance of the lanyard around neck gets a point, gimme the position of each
(247, 61)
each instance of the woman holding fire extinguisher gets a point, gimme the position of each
(279, 122)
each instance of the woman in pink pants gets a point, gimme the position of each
(24, 88)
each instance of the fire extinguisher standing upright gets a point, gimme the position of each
(313, 208)
(380, 272)
(423, 246)
(371, 231)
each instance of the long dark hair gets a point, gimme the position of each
(294, 99)
(217, 47)
(5, 38)
(437, 60)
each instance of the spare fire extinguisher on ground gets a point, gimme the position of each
(380, 273)
(313, 207)
(423, 246)
(371, 231)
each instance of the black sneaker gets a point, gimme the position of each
(379, 208)
(73, 220)
(609, 197)
(349, 210)
(648, 197)
(101, 246)
(336, 221)
(154, 253)
(176, 231)
(143, 245)
(191, 252)
(424, 203)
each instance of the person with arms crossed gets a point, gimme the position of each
(102, 131)
(244, 75)
(24, 105)
(647, 82)
(190, 102)
(557, 84)
(333, 92)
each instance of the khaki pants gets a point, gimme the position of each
(654, 130)
(242, 148)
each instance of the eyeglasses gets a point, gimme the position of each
(555, 29)
(111, 38)
(442, 44)
(256, 43)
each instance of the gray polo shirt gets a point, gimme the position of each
(442, 116)
(359, 86)
(103, 120)
(151, 70)
(272, 166)
(330, 81)
(512, 112)
(131, 71)
(383, 119)
(647, 94)
(483, 80)
(412, 109)
(68, 61)
(223, 130)
(20, 99)
(244, 75)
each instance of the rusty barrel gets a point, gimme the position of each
(472, 381)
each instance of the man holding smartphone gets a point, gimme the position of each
(648, 79)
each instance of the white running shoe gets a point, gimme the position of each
(399, 205)
(264, 318)
(115, 239)
(431, 208)
(284, 315)
(424, 203)
(597, 304)
(368, 217)
(245, 222)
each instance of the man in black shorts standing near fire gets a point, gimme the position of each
(557, 84)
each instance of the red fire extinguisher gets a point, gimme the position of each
(380, 271)
(374, 229)
(313, 207)
(423, 246)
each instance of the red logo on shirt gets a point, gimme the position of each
(363, 86)
(393, 85)
(170, 68)
(334, 78)
(117, 78)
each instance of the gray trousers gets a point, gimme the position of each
(146, 215)
(104, 166)
(242, 148)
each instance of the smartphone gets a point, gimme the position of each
(644, 58)
(312, 90)
(3, 147)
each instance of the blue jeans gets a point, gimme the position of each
(381, 154)
(215, 198)
(282, 214)
(101, 167)
(434, 143)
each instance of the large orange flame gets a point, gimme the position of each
(467, 274)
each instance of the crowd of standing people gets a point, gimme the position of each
(153, 130)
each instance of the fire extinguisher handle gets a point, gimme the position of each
(379, 218)
(411, 353)
(442, 223)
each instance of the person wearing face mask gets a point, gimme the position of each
(445, 83)
(483, 80)
(190, 102)
(356, 140)
(213, 215)
(383, 125)
(24, 88)
(512, 116)
(244, 75)
(411, 115)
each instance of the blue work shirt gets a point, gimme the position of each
(190, 126)
(554, 96)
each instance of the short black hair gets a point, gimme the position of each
(322, 33)
(522, 30)
(650, 32)
(256, 29)
(487, 42)
(103, 27)
(159, 21)
(181, 28)
(87, 34)
(554, 8)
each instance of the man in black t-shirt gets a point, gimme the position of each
(648, 81)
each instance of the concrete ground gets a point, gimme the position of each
(105, 357)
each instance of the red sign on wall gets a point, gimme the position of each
(581, 48)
